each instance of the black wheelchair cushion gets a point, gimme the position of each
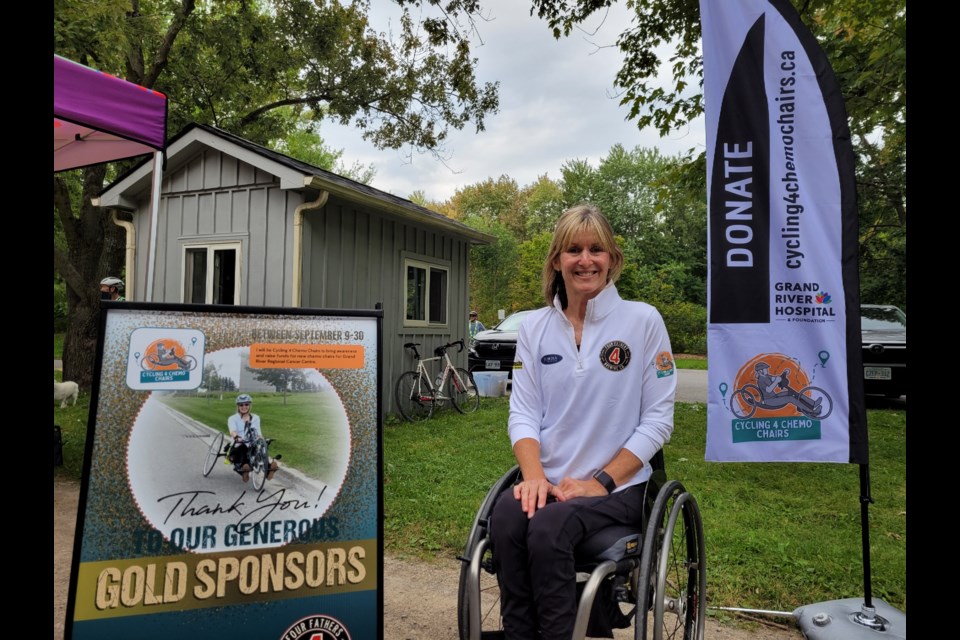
(611, 543)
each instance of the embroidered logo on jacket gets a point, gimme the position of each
(551, 358)
(664, 364)
(615, 355)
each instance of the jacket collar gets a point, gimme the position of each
(600, 306)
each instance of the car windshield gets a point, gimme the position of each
(882, 318)
(512, 322)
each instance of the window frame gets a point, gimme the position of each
(210, 248)
(425, 263)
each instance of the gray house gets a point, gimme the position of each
(241, 224)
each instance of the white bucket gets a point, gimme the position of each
(491, 384)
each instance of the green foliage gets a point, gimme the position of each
(765, 538)
(865, 43)
(267, 71)
(492, 269)
(526, 288)
(59, 307)
(687, 326)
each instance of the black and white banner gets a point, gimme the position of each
(785, 379)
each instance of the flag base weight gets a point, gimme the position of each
(850, 619)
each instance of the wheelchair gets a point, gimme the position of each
(657, 575)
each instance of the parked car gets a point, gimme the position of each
(884, 330)
(494, 349)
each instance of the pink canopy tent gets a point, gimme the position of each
(97, 118)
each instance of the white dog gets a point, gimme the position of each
(64, 391)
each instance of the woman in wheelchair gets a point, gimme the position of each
(592, 403)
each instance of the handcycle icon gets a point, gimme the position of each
(813, 402)
(165, 357)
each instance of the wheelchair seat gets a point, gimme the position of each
(659, 570)
(613, 543)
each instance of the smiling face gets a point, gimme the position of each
(584, 266)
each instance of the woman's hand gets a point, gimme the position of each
(572, 488)
(533, 494)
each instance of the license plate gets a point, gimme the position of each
(877, 373)
(493, 364)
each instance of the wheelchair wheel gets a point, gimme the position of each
(414, 397)
(744, 402)
(488, 610)
(463, 392)
(672, 579)
(259, 462)
(216, 446)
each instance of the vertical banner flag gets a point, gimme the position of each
(786, 375)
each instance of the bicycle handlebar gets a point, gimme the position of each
(438, 351)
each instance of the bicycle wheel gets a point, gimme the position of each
(673, 569)
(744, 402)
(216, 446)
(463, 391)
(488, 609)
(259, 461)
(189, 363)
(414, 397)
(820, 399)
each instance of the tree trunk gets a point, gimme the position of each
(94, 251)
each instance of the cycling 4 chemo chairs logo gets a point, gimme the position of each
(165, 358)
(773, 399)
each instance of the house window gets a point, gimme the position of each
(425, 294)
(211, 274)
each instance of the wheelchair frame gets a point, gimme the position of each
(672, 569)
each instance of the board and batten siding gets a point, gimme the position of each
(353, 258)
(216, 199)
(353, 254)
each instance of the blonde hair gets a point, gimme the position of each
(572, 222)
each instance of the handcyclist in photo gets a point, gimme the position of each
(776, 391)
(237, 424)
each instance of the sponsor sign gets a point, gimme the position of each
(185, 530)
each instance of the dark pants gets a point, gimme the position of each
(534, 558)
(238, 455)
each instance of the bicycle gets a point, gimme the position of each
(417, 395)
(258, 449)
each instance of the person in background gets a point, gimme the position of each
(110, 288)
(475, 325)
(592, 403)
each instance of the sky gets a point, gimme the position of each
(557, 103)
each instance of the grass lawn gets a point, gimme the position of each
(58, 346)
(691, 363)
(778, 535)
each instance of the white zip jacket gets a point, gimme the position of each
(584, 405)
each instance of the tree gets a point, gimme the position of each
(866, 45)
(256, 69)
(283, 380)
